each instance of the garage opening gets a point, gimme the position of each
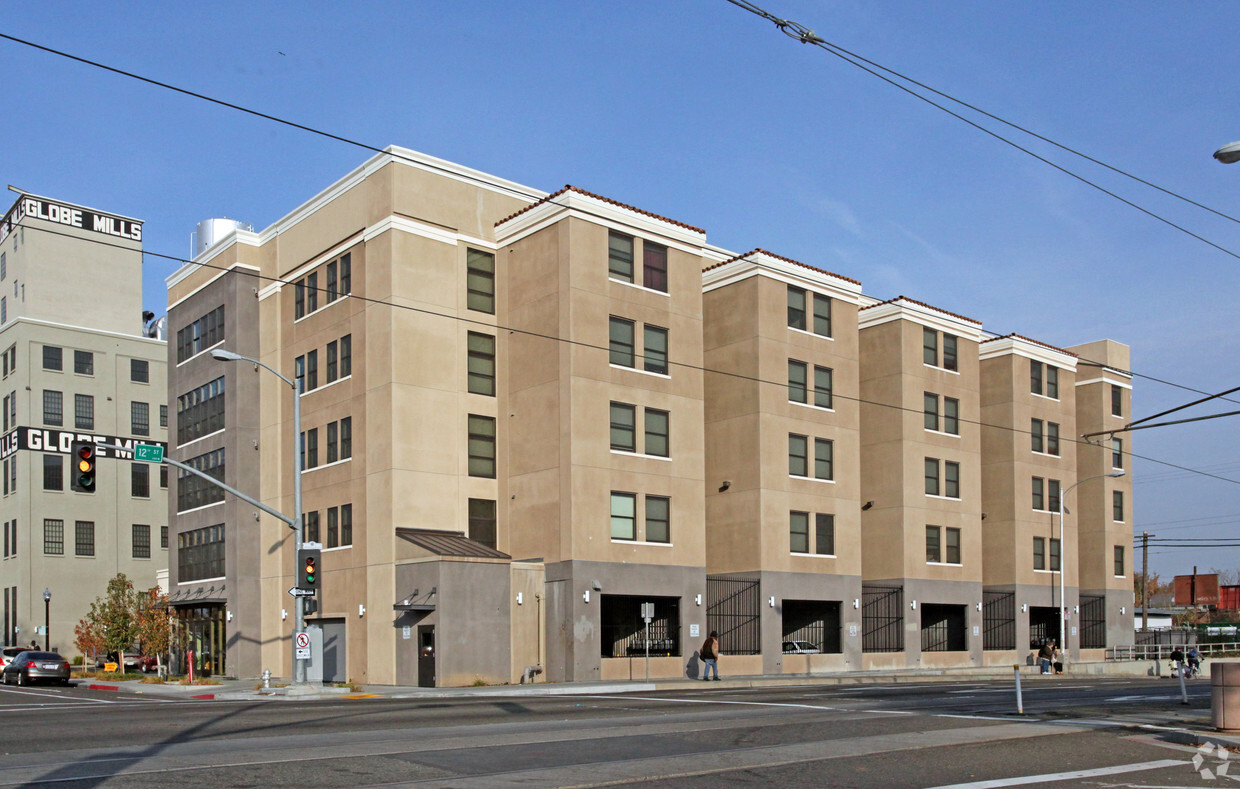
(943, 628)
(624, 630)
(814, 622)
(1043, 625)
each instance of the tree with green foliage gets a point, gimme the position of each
(115, 617)
(155, 624)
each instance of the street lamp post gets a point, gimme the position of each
(299, 606)
(1063, 558)
(47, 620)
(1229, 154)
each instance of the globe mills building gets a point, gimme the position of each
(547, 435)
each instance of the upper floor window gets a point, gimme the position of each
(949, 480)
(481, 446)
(1039, 554)
(1117, 400)
(482, 522)
(83, 363)
(809, 311)
(1044, 436)
(655, 527)
(203, 333)
(624, 430)
(798, 385)
(340, 440)
(1119, 561)
(140, 539)
(339, 277)
(201, 411)
(480, 281)
(140, 371)
(654, 266)
(798, 457)
(140, 418)
(52, 358)
(1043, 379)
(1046, 494)
(1117, 506)
(481, 364)
(620, 256)
(53, 408)
(84, 412)
(931, 347)
(944, 419)
(942, 545)
(823, 536)
(623, 350)
(1117, 453)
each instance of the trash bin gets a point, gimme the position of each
(1225, 695)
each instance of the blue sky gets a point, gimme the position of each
(703, 112)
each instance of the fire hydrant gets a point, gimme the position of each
(266, 678)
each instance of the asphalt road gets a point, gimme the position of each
(1093, 732)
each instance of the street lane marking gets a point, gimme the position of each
(722, 701)
(1035, 779)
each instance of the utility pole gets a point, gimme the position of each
(1145, 581)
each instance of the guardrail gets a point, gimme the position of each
(1163, 651)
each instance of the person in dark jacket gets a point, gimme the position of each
(710, 655)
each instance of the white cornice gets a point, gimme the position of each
(930, 317)
(759, 263)
(15, 322)
(1121, 384)
(1019, 346)
(574, 204)
(223, 271)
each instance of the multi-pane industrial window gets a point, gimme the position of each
(657, 525)
(942, 545)
(84, 538)
(200, 411)
(140, 480)
(482, 522)
(339, 526)
(83, 363)
(139, 371)
(948, 484)
(200, 553)
(1117, 506)
(340, 358)
(1039, 554)
(84, 412)
(340, 440)
(53, 407)
(53, 472)
(481, 446)
(196, 337)
(52, 358)
(1117, 453)
(798, 457)
(141, 540)
(930, 349)
(194, 491)
(1049, 502)
(140, 418)
(1119, 561)
(481, 364)
(1043, 379)
(798, 301)
(480, 281)
(945, 419)
(799, 533)
(53, 537)
(1117, 400)
(163, 534)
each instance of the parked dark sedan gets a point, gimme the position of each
(30, 667)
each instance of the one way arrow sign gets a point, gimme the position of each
(296, 592)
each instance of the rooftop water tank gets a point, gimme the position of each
(212, 230)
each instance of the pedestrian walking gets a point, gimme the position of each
(710, 655)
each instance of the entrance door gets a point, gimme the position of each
(334, 651)
(426, 656)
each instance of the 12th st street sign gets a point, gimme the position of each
(148, 452)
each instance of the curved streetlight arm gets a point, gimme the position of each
(1063, 557)
(1229, 154)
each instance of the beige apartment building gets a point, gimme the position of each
(77, 364)
(560, 438)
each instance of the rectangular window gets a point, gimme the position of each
(346, 275)
(932, 476)
(346, 438)
(480, 281)
(620, 256)
(299, 373)
(951, 479)
(654, 268)
(312, 526)
(481, 446)
(346, 524)
(798, 532)
(482, 522)
(1117, 506)
(1052, 438)
(53, 472)
(53, 537)
(333, 527)
(163, 414)
(333, 442)
(299, 299)
(1039, 493)
(1035, 377)
(53, 408)
(930, 411)
(624, 427)
(140, 418)
(163, 535)
(312, 292)
(196, 337)
(1117, 400)
(824, 534)
(934, 550)
(83, 412)
(1036, 432)
(1117, 453)
(140, 371)
(141, 541)
(798, 455)
(1054, 555)
(1052, 382)
(83, 363)
(346, 356)
(930, 347)
(194, 491)
(823, 387)
(951, 416)
(332, 365)
(824, 459)
(798, 381)
(796, 308)
(310, 448)
(623, 516)
(622, 342)
(655, 349)
(822, 315)
(1052, 495)
(200, 553)
(949, 353)
(140, 480)
(658, 519)
(1119, 561)
(1039, 553)
(200, 411)
(163, 479)
(951, 544)
(52, 358)
(481, 364)
(657, 433)
(84, 538)
(312, 370)
(333, 281)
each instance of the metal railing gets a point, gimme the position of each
(1163, 651)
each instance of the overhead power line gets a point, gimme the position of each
(807, 36)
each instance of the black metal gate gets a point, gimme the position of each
(998, 620)
(1093, 622)
(732, 610)
(882, 618)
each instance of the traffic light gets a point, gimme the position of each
(308, 568)
(85, 458)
